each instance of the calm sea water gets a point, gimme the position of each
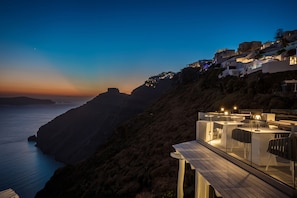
(23, 167)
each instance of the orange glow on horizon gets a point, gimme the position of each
(50, 82)
(51, 91)
(59, 89)
(35, 82)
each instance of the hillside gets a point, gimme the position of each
(76, 134)
(136, 161)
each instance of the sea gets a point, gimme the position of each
(23, 167)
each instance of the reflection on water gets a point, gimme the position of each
(23, 167)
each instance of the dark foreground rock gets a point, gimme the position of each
(32, 138)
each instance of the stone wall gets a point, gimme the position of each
(249, 46)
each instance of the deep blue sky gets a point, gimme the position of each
(83, 47)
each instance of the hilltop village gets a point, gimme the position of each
(250, 57)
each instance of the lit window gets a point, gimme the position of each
(293, 60)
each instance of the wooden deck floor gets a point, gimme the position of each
(227, 178)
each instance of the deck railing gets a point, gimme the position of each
(266, 144)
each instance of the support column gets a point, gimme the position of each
(180, 182)
(196, 184)
(202, 186)
(181, 173)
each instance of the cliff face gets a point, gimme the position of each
(76, 134)
(249, 46)
(136, 161)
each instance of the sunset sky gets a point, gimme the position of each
(83, 47)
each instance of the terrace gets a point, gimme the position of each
(248, 153)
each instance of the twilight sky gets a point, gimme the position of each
(83, 47)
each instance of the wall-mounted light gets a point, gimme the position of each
(235, 109)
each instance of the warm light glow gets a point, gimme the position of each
(222, 109)
(235, 108)
(226, 113)
(293, 60)
(257, 117)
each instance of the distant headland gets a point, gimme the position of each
(24, 101)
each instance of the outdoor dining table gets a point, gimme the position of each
(259, 144)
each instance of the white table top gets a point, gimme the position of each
(263, 130)
(229, 123)
(279, 123)
(232, 114)
(241, 114)
(289, 121)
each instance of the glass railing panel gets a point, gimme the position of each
(204, 130)
(281, 148)
(251, 144)
(241, 144)
(209, 132)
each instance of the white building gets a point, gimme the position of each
(232, 68)
(278, 66)
(222, 55)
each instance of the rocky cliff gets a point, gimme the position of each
(136, 161)
(76, 134)
(249, 46)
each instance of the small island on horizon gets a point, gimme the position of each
(22, 100)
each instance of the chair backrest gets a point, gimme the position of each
(235, 134)
(241, 135)
(262, 123)
(293, 147)
(247, 136)
(284, 147)
(281, 135)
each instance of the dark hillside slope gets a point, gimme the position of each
(73, 135)
(137, 162)
(76, 134)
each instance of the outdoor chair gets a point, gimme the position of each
(285, 148)
(217, 133)
(242, 136)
